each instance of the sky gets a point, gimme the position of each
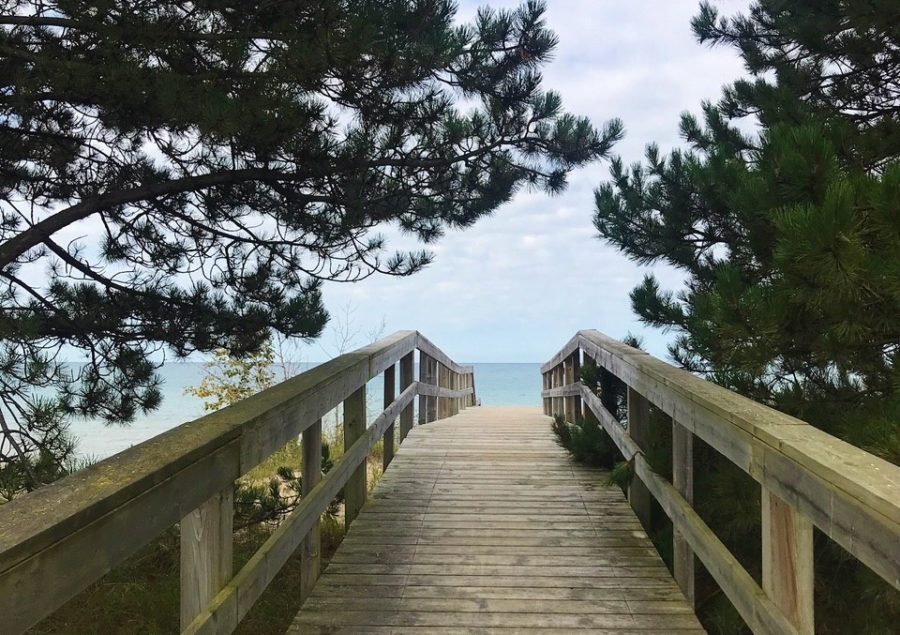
(516, 286)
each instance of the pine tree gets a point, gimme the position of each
(220, 160)
(784, 214)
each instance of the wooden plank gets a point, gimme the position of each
(406, 380)
(26, 597)
(424, 376)
(206, 553)
(310, 555)
(683, 481)
(354, 428)
(389, 393)
(760, 613)
(787, 563)
(461, 531)
(851, 495)
(123, 502)
(638, 420)
(545, 379)
(432, 380)
(158, 481)
(441, 391)
(575, 404)
(443, 376)
(567, 390)
(233, 602)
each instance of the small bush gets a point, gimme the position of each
(587, 442)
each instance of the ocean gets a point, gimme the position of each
(495, 385)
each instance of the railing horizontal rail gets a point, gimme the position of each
(851, 495)
(235, 599)
(116, 506)
(426, 347)
(436, 391)
(762, 614)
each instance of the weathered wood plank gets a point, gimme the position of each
(389, 392)
(787, 562)
(458, 532)
(206, 553)
(683, 481)
(126, 500)
(310, 556)
(638, 420)
(851, 495)
(233, 602)
(406, 380)
(354, 428)
(760, 613)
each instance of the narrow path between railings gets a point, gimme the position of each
(482, 524)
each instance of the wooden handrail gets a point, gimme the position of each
(807, 476)
(57, 540)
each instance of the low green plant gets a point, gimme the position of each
(586, 441)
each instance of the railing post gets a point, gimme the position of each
(389, 396)
(589, 416)
(463, 384)
(406, 378)
(683, 480)
(560, 382)
(554, 382)
(432, 379)
(424, 363)
(206, 553)
(573, 372)
(354, 428)
(443, 382)
(787, 561)
(638, 419)
(545, 377)
(310, 561)
(451, 401)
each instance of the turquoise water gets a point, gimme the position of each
(495, 385)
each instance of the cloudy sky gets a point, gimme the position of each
(516, 286)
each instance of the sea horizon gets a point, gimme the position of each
(496, 384)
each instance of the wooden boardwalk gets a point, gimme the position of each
(483, 525)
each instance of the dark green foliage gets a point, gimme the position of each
(270, 501)
(586, 441)
(789, 239)
(219, 161)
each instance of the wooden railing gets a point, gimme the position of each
(56, 541)
(808, 478)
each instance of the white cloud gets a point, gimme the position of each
(517, 285)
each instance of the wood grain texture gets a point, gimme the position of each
(482, 523)
(233, 602)
(683, 481)
(354, 428)
(206, 553)
(787, 562)
(390, 380)
(851, 495)
(638, 422)
(406, 380)
(310, 556)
